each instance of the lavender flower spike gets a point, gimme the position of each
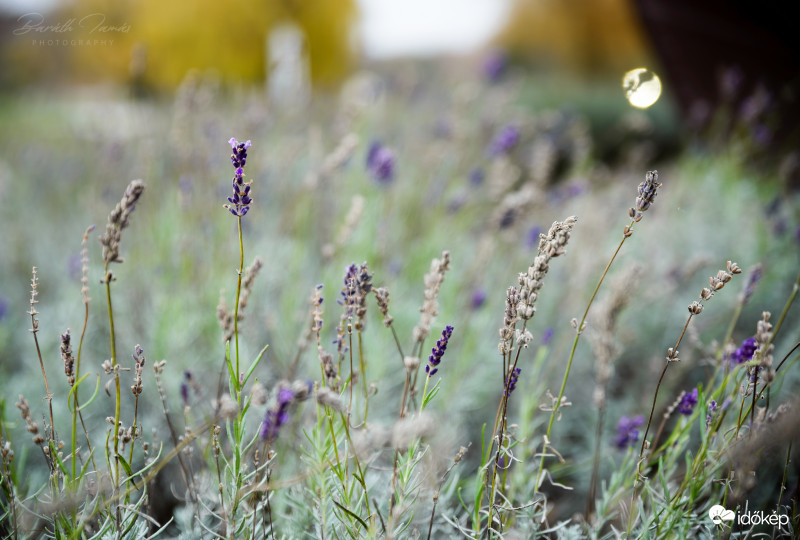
(438, 352)
(276, 416)
(511, 383)
(627, 431)
(687, 403)
(240, 201)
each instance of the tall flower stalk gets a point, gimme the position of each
(715, 283)
(520, 305)
(238, 205)
(117, 221)
(646, 195)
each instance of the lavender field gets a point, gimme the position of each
(434, 303)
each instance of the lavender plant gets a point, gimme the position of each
(343, 440)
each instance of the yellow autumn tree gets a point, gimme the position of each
(586, 36)
(161, 41)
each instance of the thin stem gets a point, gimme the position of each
(49, 396)
(595, 464)
(578, 332)
(363, 376)
(397, 342)
(236, 310)
(118, 396)
(649, 422)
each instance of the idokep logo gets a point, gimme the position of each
(719, 514)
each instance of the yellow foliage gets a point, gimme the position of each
(228, 36)
(587, 36)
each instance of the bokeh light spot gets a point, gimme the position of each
(642, 87)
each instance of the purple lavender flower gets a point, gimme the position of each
(547, 336)
(712, 408)
(495, 65)
(476, 176)
(752, 280)
(240, 201)
(3, 308)
(745, 352)
(627, 432)
(478, 298)
(687, 403)
(380, 162)
(276, 416)
(187, 376)
(438, 352)
(511, 383)
(505, 140)
(532, 240)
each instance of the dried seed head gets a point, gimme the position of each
(733, 268)
(382, 298)
(328, 398)
(66, 357)
(411, 363)
(647, 192)
(118, 220)
(259, 394)
(430, 306)
(227, 407)
(695, 308)
(85, 265)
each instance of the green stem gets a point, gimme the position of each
(363, 376)
(578, 332)
(118, 395)
(236, 311)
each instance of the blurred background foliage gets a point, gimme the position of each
(231, 38)
(157, 43)
(599, 37)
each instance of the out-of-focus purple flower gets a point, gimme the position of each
(508, 218)
(442, 128)
(547, 335)
(185, 183)
(476, 176)
(3, 308)
(730, 82)
(687, 403)
(74, 267)
(495, 65)
(755, 105)
(187, 380)
(762, 135)
(372, 152)
(627, 431)
(511, 383)
(240, 200)
(752, 280)
(532, 239)
(478, 298)
(438, 351)
(577, 187)
(712, 408)
(380, 162)
(505, 140)
(277, 416)
(745, 352)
